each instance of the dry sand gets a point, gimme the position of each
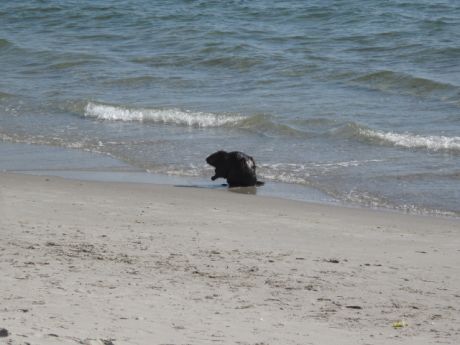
(102, 263)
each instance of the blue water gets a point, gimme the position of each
(359, 100)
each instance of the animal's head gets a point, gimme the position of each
(217, 158)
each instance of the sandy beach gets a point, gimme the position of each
(119, 263)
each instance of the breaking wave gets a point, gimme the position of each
(171, 116)
(268, 125)
(432, 142)
(354, 131)
(258, 123)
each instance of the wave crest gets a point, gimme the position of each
(4, 43)
(432, 142)
(390, 81)
(172, 116)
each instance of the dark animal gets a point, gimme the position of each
(237, 167)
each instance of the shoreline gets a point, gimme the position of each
(43, 160)
(143, 263)
(90, 166)
(271, 190)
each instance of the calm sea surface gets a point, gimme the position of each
(357, 99)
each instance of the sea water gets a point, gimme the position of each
(359, 100)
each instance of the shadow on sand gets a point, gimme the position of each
(239, 190)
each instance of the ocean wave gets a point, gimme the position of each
(68, 64)
(258, 123)
(226, 62)
(171, 116)
(147, 80)
(408, 140)
(390, 81)
(164, 60)
(314, 121)
(354, 131)
(232, 62)
(133, 81)
(268, 126)
(4, 43)
(5, 95)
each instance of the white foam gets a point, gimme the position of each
(173, 116)
(312, 168)
(432, 142)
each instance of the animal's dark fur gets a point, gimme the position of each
(237, 167)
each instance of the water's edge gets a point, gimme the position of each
(73, 164)
(80, 165)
